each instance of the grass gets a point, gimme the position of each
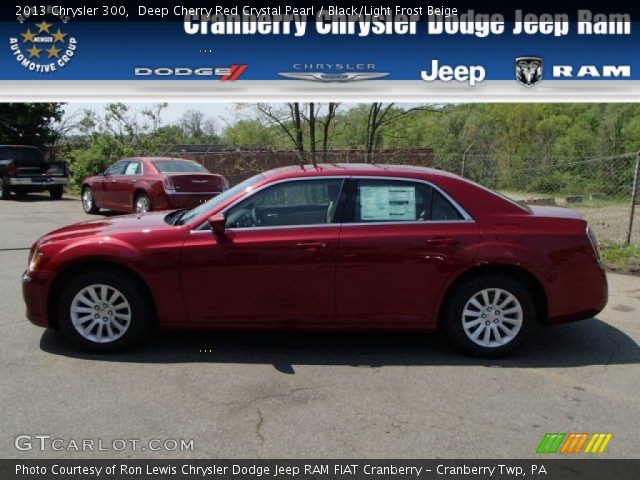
(621, 258)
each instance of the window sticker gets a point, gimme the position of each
(132, 168)
(395, 203)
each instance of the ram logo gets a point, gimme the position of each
(592, 71)
(528, 70)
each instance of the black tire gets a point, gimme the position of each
(4, 190)
(138, 308)
(56, 192)
(89, 207)
(454, 321)
(140, 199)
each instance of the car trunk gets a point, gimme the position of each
(554, 212)
(197, 183)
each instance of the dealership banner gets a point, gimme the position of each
(318, 469)
(409, 51)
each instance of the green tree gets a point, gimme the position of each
(252, 134)
(30, 123)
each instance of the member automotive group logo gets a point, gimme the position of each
(529, 70)
(225, 73)
(43, 47)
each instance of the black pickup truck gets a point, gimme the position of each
(23, 170)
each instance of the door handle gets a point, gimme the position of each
(441, 241)
(311, 245)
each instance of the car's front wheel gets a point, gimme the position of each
(490, 316)
(103, 311)
(88, 202)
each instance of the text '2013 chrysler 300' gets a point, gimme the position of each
(328, 247)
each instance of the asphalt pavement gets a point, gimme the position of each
(306, 395)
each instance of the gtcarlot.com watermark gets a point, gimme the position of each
(51, 443)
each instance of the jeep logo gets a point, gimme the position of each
(471, 74)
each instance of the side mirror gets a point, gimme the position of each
(217, 223)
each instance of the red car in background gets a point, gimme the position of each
(342, 247)
(137, 185)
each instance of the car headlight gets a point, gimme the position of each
(35, 260)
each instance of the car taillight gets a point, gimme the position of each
(11, 170)
(594, 243)
(167, 183)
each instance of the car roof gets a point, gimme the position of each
(355, 169)
(160, 159)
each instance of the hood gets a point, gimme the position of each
(107, 226)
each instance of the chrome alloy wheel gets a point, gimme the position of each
(87, 199)
(492, 317)
(142, 204)
(100, 313)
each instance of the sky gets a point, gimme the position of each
(223, 113)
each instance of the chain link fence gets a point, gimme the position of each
(604, 190)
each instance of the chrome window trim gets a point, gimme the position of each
(466, 218)
(194, 193)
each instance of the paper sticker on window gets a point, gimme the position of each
(386, 203)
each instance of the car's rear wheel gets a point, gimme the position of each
(88, 203)
(4, 191)
(103, 311)
(490, 316)
(142, 203)
(56, 192)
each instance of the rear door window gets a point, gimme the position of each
(133, 168)
(395, 201)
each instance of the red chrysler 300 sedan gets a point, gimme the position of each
(144, 184)
(330, 247)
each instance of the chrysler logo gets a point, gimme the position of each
(334, 77)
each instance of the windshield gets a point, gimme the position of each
(20, 154)
(220, 199)
(174, 166)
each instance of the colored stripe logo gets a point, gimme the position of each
(574, 443)
(550, 443)
(235, 72)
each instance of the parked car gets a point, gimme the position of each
(24, 170)
(341, 247)
(138, 185)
